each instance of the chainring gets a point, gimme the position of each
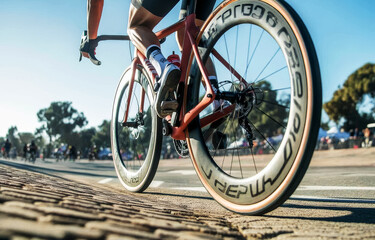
(181, 148)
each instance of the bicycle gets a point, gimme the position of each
(268, 120)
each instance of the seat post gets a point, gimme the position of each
(191, 5)
(187, 8)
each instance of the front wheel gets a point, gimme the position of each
(136, 143)
(253, 158)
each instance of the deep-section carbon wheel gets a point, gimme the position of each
(253, 159)
(136, 143)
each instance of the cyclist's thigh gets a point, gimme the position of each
(204, 8)
(159, 8)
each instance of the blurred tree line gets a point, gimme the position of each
(63, 125)
(353, 104)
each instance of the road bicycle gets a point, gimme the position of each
(252, 152)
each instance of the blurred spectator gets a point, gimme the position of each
(24, 151)
(366, 133)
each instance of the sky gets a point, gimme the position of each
(39, 43)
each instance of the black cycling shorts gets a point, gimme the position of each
(161, 8)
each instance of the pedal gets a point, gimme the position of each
(166, 128)
(129, 124)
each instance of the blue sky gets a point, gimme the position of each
(39, 43)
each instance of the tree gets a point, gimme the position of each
(346, 101)
(102, 137)
(81, 140)
(325, 126)
(12, 136)
(272, 112)
(26, 137)
(60, 120)
(85, 138)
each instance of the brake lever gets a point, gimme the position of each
(94, 60)
(83, 38)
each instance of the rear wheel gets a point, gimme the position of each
(136, 143)
(253, 159)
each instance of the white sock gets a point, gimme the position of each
(156, 58)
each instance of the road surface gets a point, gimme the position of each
(335, 199)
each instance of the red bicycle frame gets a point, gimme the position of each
(190, 50)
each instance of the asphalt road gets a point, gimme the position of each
(336, 199)
(340, 182)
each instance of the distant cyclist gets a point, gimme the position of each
(33, 150)
(143, 17)
(7, 147)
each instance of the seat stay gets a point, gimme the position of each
(230, 68)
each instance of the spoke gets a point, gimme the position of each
(122, 107)
(256, 79)
(276, 104)
(270, 117)
(143, 148)
(255, 166)
(225, 152)
(136, 98)
(248, 48)
(235, 141)
(245, 148)
(215, 151)
(238, 154)
(226, 47)
(239, 161)
(231, 163)
(272, 73)
(137, 105)
(142, 143)
(235, 49)
(275, 90)
(256, 129)
(252, 55)
(234, 148)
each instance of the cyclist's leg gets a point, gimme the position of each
(143, 18)
(140, 26)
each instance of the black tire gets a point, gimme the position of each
(136, 149)
(269, 179)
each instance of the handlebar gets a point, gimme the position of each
(91, 52)
(112, 37)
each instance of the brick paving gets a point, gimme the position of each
(36, 206)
